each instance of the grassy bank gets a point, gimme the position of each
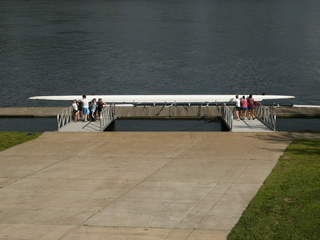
(288, 204)
(10, 139)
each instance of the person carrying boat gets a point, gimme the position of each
(251, 108)
(93, 108)
(75, 110)
(244, 107)
(85, 107)
(238, 107)
(101, 106)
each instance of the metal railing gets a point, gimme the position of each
(106, 117)
(227, 115)
(64, 117)
(267, 116)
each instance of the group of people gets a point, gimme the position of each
(245, 106)
(85, 110)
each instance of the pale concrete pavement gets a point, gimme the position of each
(151, 186)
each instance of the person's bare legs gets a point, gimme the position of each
(76, 116)
(237, 114)
(245, 114)
(249, 114)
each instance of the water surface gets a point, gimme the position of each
(158, 47)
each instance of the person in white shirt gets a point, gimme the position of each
(75, 110)
(238, 107)
(85, 105)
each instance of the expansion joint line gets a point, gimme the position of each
(222, 195)
(48, 166)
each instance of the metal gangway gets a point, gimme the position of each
(265, 120)
(66, 122)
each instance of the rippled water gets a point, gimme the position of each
(159, 47)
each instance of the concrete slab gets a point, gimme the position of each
(117, 233)
(18, 166)
(133, 185)
(31, 231)
(200, 234)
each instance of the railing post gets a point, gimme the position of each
(64, 117)
(107, 116)
(267, 116)
(227, 115)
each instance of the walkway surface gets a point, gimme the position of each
(249, 126)
(111, 185)
(80, 126)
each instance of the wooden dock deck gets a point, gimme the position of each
(25, 112)
(158, 112)
(297, 112)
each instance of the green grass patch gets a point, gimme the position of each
(288, 205)
(10, 139)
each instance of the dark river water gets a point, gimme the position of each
(159, 47)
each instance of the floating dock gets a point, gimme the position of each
(158, 112)
(298, 111)
(65, 123)
(24, 112)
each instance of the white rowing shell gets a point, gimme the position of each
(132, 99)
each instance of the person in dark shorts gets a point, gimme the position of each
(75, 110)
(238, 107)
(80, 108)
(251, 107)
(101, 106)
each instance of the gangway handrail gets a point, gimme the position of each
(267, 115)
(106, 117)
(227, 116)
(64, 117)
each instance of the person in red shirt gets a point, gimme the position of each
(251, 107)
(244, 107)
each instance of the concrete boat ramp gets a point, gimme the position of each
(112, 185)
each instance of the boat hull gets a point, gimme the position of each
(156, 99)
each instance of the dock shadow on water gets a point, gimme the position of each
(166, 125)
(298, 124)
(153, 125)
(28, 124)
(119, 125)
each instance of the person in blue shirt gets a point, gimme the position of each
(93, 108)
